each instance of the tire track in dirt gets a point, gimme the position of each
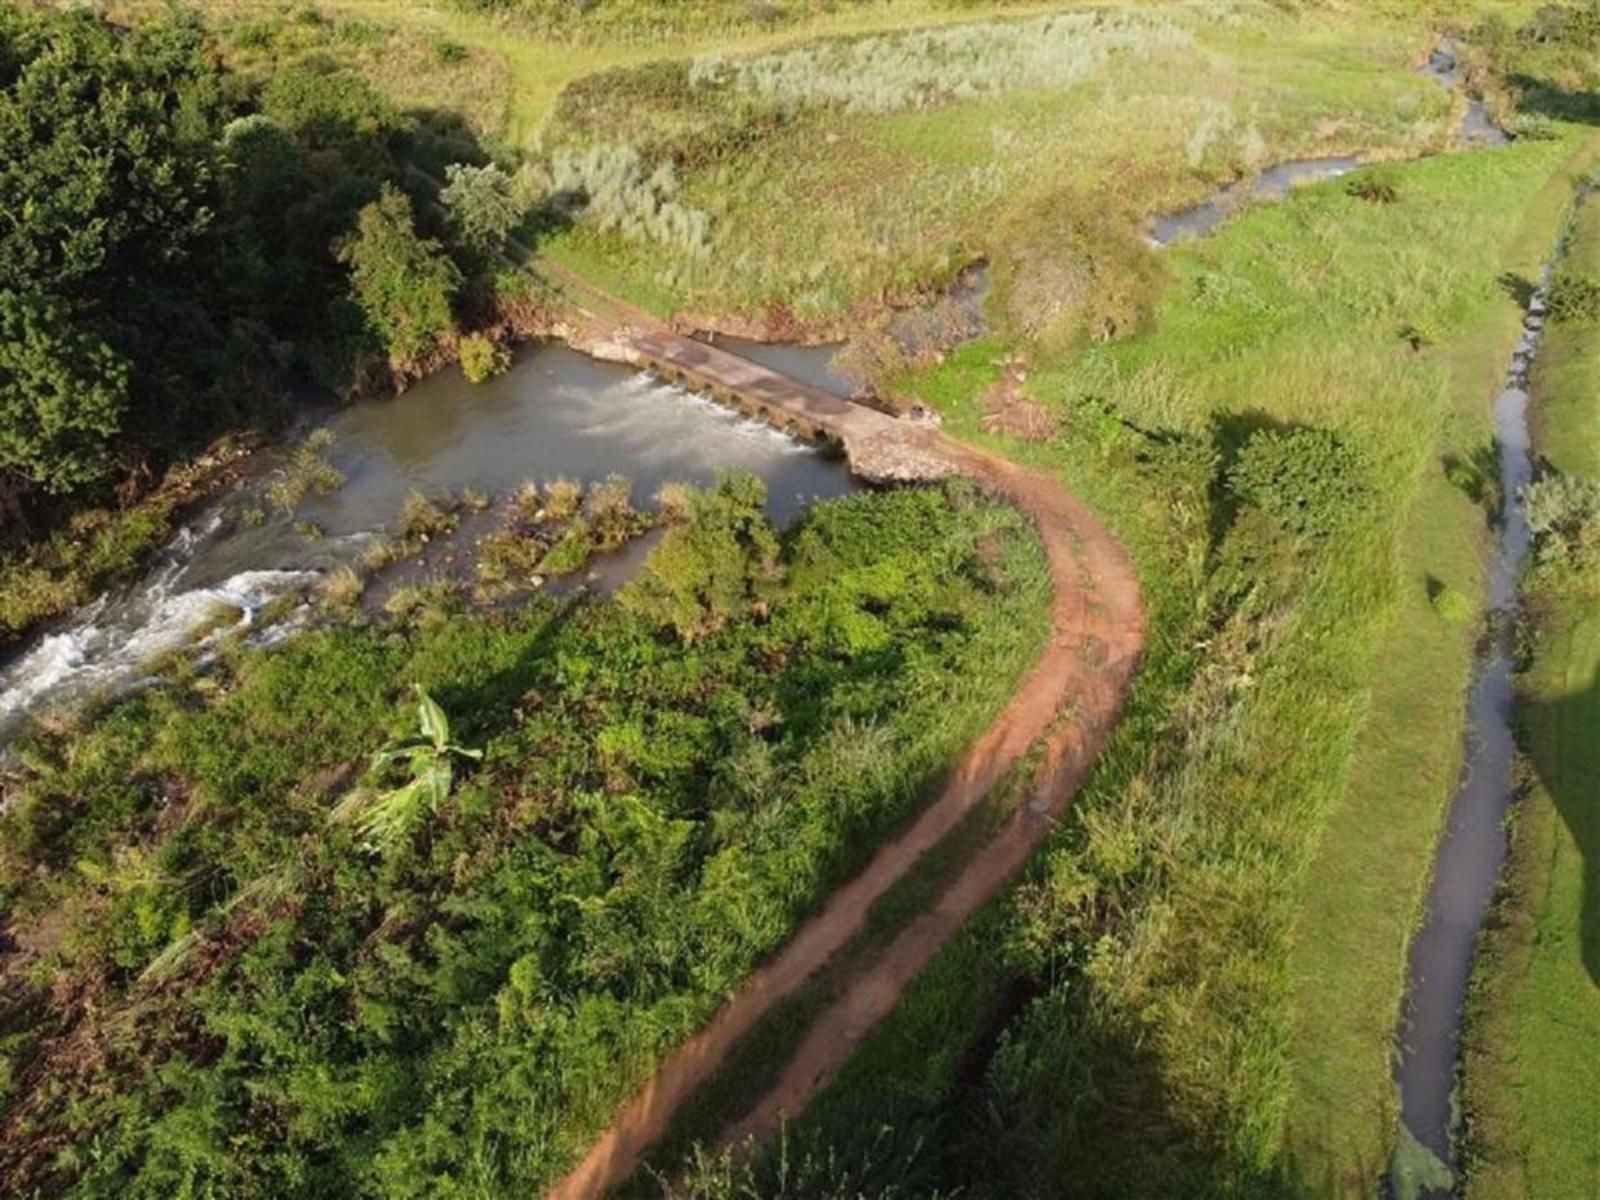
(1087, 666)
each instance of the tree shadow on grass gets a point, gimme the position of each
(1552, 100)
(1476, 475)
(1562, 741)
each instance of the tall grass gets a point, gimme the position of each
(913, 70)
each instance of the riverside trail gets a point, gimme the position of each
(1067, 704)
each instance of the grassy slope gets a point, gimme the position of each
(1338, 278)
(540, 67)
(891, 200)
(1370, 873)
(1532, 1078)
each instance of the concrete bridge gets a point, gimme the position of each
(878, 446)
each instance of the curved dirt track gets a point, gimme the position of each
(1084, 673)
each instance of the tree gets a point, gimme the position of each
(709, 569)
(483, 206)
(62, 395)
(403, 282)
(107, 196)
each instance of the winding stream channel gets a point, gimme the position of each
(1472, 849)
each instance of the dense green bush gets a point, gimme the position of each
(1563, 514)
(483, 205)
(1309, 480)
(482, 359)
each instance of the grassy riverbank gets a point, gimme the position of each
(1531, 1084)
(1044, 137)
(1370, 875)
(1163, 947)
(285, 1003)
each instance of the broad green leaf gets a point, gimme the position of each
(435, 725)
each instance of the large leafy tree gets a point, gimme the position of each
(404, 282)
(106, 209)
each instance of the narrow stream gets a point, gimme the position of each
(556, 413)
(1473, 846)
(1443, 66)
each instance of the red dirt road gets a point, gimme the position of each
(1085, 670)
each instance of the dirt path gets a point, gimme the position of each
(1086, 667)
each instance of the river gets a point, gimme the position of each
(555, 413)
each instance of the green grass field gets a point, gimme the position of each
(1532, 1081)
(1369, 877)
(1186, 1051)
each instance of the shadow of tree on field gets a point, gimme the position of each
(1549, 99)
(1562, 741)
(1519, 287)
(1476, 475)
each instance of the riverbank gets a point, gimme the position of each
(1372, 869)
(1150, 958)
(1529, 1068)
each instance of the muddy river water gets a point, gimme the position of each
(555, 413)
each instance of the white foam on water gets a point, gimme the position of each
(107, 646)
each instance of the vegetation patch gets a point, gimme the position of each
(669, 782)
(1535, 1001)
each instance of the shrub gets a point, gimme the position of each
(482, 204)
(1451, 605)
(1308, 480)
(1563, 513)
(482, 359)
(1075, 269)
(1573, 297)
(610, 509)
(712, 567)
(561, 497)
(1375, 187)
(307, 472)
(422, 518)
(341, 588)
(1533, 127)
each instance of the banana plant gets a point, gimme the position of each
(385, 819)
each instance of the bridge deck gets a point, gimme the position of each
(780, 398)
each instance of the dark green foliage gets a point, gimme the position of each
(403, 282)
(107, 191)
(1309, 480)
(63, 393)
(457, 1016)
